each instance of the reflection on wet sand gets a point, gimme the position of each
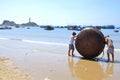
(109, 70)
(89, 70)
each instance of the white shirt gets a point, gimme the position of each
(72, 40)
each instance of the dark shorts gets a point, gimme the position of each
(71, 47)
(110, 50)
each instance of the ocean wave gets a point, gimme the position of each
(15, 39)
(47, 43)
(11, 39)
(3, 38)
(116, 49)
(36, 42)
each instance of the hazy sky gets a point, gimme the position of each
(61, 12)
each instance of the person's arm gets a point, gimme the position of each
(109, 43)
(75, 37)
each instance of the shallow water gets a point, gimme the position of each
(42, 63)
(57, 36)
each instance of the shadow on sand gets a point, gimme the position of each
(96, 59)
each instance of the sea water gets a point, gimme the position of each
(58, 38)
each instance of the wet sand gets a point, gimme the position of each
(20, 62)
(10, 72)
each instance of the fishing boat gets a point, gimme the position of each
(49, 28)
(5, 27)
(71, 27)
(116, 30)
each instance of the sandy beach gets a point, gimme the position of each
(10, 72)
(26, 61)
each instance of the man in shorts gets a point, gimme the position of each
(110, 49)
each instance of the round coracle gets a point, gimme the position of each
(90, 42)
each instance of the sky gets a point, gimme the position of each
(61, 12)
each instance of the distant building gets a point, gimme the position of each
(29, 19)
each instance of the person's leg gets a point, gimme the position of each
(112, 54)
(108, 56)
(73, 52)
(113, 57)
(69, 52)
